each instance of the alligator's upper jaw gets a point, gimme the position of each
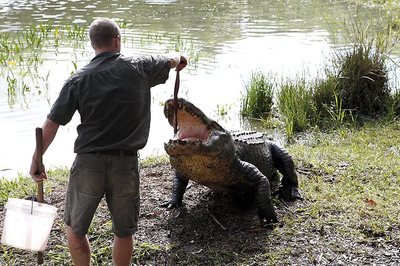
(192, 123)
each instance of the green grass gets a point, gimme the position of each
(154, 160)
(16, 188)
(348, 176)
(24, 48)
(353, 85)
(146, 250)
(22, 54)
(354, 181)
(258, 99)
(393, 106)
(294, 102)
(363, 80)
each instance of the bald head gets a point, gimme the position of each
(103, 32)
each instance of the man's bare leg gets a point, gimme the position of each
(122, 250)
(78, 247)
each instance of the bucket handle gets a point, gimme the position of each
(32, 199)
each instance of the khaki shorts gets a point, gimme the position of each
(93, 176)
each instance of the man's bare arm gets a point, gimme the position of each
(49, 132)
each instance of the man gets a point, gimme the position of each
(112, 96)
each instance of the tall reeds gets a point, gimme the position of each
(21, 55)
(361, 71)
(355, 84)
(294, 103)
(258, 100)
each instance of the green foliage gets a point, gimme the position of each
(154, 160)
(145, 250)
(19, 48)
(356, 84)
(22, 187)
(323, 95)
(347, 181)
(76, 32)
(361, 70)
(363, 81)
(393, 106)
(294, 101)
(329, 110)
(258, 101)
(351, 203)
(21, 54)
(336, 111)
(16, 188)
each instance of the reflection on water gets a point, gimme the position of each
(225, 39)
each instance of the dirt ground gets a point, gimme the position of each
(213, 229)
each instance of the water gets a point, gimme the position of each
(230, 38)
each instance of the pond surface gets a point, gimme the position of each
(226, 41)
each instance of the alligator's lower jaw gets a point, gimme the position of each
(184, 142)
(178, 147)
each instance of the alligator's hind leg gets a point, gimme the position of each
(265, 209)
(283, 161)
(178, 189)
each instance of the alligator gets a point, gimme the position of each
(241, 163)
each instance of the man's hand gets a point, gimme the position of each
(36, 176)
(49, 132)
(182, 63)
(178, 61)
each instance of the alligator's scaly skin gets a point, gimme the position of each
(241, 163)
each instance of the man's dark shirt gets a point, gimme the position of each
(112, 95)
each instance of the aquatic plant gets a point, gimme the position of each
(258, 99)
(172, 42)
(362, 70)
(363, 80)
(355, 81)
(21, 55)
(323, 91)
(337, 114)
(393, 106)
(76, 32)
(354, 84)
(328, 106)
(295, 105)
(223, 109)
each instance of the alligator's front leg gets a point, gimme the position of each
(178, 189)
(265, 209)
(283, 161)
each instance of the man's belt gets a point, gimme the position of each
(114, 152)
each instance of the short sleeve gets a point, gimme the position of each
(156, 68)
(66, 104)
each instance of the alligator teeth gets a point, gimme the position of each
(176, 136)
(182, 142)
(191, 139)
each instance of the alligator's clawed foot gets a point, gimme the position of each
(267, 217)
(269, 222)
(171, 204)
(289, 193)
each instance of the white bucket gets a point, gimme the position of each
(26, 230)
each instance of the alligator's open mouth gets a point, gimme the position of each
(193, 124)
